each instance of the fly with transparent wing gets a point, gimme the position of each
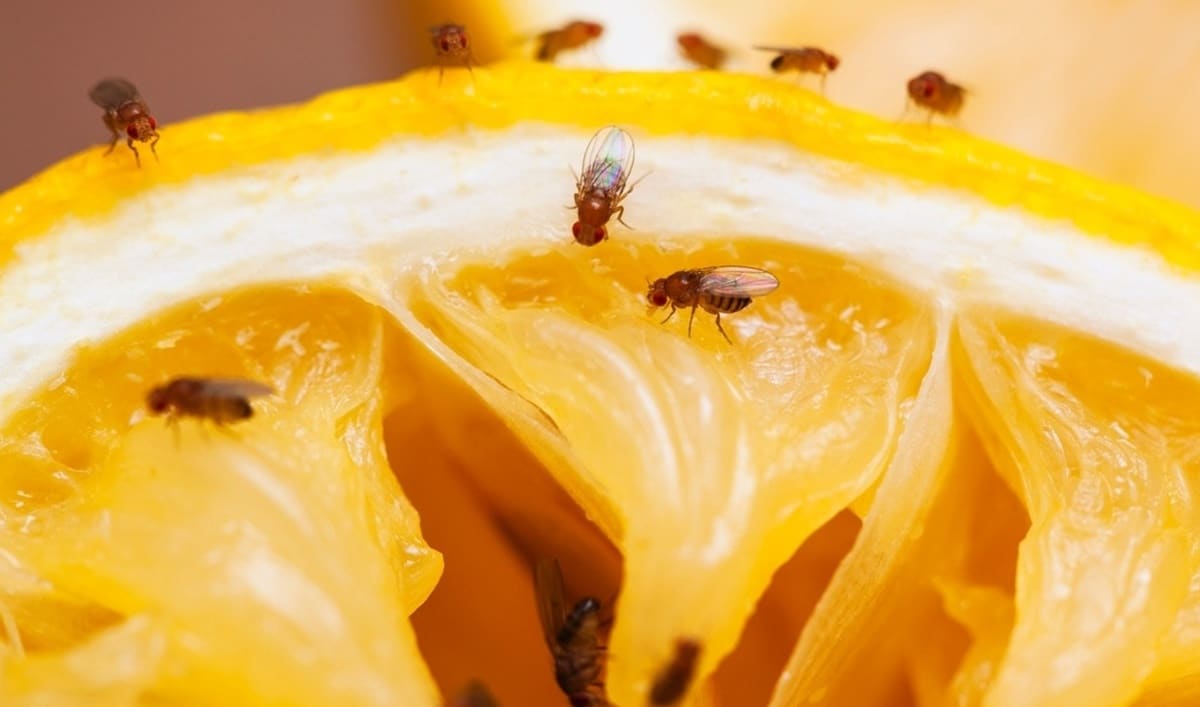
(602, 184)
(722, 289)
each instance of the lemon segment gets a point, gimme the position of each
(274, 560)
(718, 472)
(1101, 445)
(876, 584)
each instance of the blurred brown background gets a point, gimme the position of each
(1106, 86)
(187, 58)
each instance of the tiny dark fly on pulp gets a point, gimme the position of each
(222, 400)
(573, 636)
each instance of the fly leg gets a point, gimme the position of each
(136, 157)
(669, 315)
(152, 146)
(722, 329)
(619, 212)
(692, 319)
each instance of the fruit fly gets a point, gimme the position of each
(673, 680)
(450, 41)
(573, 637)
(475, 694)
(723, 289)
(804, 60)
(222, 400)
(572, 35)
(125, 111)
(600, 188)
(931, 91)
(700, 51)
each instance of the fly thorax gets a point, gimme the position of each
(131, 112)
(598, 208)
(682, 289)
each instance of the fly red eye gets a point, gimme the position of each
(576, 229)
(445, 45)
(600, 234)
(658, 299)
(131, 131)
(928, 89)
(153, 123)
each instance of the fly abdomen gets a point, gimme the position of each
(583, 610)
(726, 304)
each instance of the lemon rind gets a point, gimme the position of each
(90, 184)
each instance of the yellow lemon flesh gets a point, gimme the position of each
(951, 459)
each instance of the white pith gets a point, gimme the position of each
(365, 218)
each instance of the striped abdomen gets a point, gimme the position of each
(578, 656)
(725, 304)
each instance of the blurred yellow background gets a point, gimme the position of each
(1106, 86)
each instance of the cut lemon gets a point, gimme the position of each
(969, 350)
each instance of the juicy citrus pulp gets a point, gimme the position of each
(841, 490)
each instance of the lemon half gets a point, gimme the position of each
(962, 335)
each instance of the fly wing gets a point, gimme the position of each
(235, 388)
(781, 50)
(109, 94)
(607, 161)
(552, 605)
(737, 281)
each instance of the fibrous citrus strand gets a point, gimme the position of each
(953, 650)
(714, 461)
(987, 614)
(748, 674)
(872, 593)
(277, 559)
(1102, 447)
